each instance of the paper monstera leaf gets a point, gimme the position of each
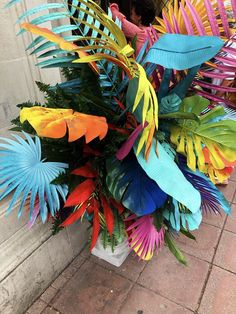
(54, 123)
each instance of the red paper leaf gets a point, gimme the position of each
(85, 171)
(108, 214)
(119, 103)
(74, 216)
(96, 226)
(117, 205)
(120, 130)
(81, 193)
(90, 151)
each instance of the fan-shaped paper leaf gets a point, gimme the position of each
(23, 171)
(144, 238)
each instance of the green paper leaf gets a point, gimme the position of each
(174, 249)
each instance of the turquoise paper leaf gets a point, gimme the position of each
(180, 52)
(165, 172)
(23, 172)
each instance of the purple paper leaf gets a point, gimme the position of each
(127, 146)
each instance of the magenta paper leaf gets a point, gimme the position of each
(187, 22)
(196, 19)
(214, 98)
(144, 238)
(176, 26)
(215, 87)
(224, 18)
(212, 18)
(127, 146)
(167, 24)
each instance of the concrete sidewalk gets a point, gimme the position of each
(206, 286)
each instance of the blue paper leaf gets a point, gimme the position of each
(189, 221)
(212, 199)
(180, 52)
(23, 171)
(129, 184)
(40, 8)
(165, 172)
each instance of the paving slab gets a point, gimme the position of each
(226, 252)
(219, 296)
(49, 294)
(231, 220)
(37, 307)
(216, 220)
(131, 268)
(93, 289)
(206, 241)
(228, 190)
(167, 277)
(142, 300)
(50, 310)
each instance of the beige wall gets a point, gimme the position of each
(17, 68)
(29, 259)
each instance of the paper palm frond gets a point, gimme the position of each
(144, 238)
(23, 171)
(197, 18)
(109, 44)
(206, 18)
(212, 199)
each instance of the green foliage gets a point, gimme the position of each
(174, 249)
(118, 235)
(187, 234)
(158, 219)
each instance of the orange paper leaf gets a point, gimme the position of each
(54, 123)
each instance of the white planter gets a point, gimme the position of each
(115, 258)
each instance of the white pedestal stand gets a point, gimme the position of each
(115, 258)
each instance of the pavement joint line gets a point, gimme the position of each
(126, 297)
(164, 296)
(210, 267)
(229, 231)
(134, 282)
(229, 271)
(53, 308)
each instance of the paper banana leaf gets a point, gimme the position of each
(54, 123)
(191, 137)
(130, 185)
(179, 52)
(160, 163)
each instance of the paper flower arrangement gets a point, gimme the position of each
(134, 144)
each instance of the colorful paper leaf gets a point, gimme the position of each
(23, 171)
(54, 123)
(81, 193)
(130, 185)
